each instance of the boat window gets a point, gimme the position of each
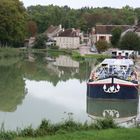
(104, 65)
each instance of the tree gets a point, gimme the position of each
(40, 42)
(32, 28)
(116, 33)
(12, 22)
(102, 46)
(130, 41)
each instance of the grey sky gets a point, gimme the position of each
(81, 3)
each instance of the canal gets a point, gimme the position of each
(46, 86)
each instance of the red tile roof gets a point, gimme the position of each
(51, 29)
(69, 33)
(107, 29)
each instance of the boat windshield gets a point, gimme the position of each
(122, 71)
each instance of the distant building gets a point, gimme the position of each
(53, 31)
(103, 32)
(29, 42)
(68, 39)
(117, 53)
(135, 29)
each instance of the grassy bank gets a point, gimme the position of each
(108, 134)
(97, 56)
(69, 130)
(48, 129)
(77, 55)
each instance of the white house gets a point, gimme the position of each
(68, 39)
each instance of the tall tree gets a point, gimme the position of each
(32, 28)
(12, 22)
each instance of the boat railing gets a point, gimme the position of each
(128, 74)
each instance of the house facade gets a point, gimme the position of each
(68, 39)
(29, 43)
(103, 32)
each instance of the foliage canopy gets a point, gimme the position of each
(116, 33)
(102, 45)
(12, 22)
(130, 41)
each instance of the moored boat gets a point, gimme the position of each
(113, 79)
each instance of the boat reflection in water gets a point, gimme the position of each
(124, 112)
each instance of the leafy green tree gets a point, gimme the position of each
(128, 14)
(12, 22)
(102, 46)
(116, 33)
(40, 42)
(130, 41)
(83, 18)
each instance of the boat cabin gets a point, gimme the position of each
(120, 54)
(119, 68)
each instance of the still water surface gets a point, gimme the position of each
(36, 87)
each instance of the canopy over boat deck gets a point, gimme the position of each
(115, 62)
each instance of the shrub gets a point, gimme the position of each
(7, 135)
(102, 45)
(77, 56)
(105, 124)
(40, 42)
(27, 132)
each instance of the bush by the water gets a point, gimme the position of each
(77, 56)
(40, 42)
(47, 128)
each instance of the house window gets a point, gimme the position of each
(110, 38)
(102, 38)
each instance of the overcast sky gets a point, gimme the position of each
(82, 3)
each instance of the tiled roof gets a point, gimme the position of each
(107, 29)
(137, 30)
(68, 33)
(51, 29)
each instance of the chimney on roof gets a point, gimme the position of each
(60, 26)
(73, 29)
(136, 21)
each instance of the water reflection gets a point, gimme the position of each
(122, 111)
(63, 69)
(12, 87)
(54, 89)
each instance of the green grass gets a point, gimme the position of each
(48, 129)
(108, 134)
(97, 56)
(69, 130)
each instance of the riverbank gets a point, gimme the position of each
(108, 134)
(105, 129)
(48, 129)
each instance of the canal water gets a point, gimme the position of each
(41, 86)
